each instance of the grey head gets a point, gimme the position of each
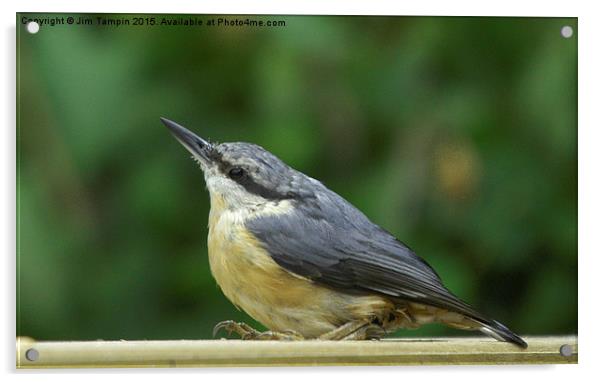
(244, 174)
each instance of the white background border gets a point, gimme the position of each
(590, 192)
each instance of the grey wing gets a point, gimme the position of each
(341, 248)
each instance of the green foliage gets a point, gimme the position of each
(458, 135)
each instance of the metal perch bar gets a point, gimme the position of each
(212, 353)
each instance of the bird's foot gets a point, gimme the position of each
(368, 332)
(243, 330)
(287, 335)
(246, 332)
(355, 330)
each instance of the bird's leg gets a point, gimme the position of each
(246, 332)
(354, 330)
(287, 335)
(367, 332)
(343, 330)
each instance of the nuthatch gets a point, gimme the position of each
(305, 263)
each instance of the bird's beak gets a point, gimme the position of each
(197, 146)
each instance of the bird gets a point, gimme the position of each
(305, 263)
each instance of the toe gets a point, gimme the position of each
(223, 325)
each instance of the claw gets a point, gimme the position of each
(243, 330)
(223, 325)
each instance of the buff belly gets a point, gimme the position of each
(278, 299)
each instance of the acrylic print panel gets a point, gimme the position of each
(455, 134)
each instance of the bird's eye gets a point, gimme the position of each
(236, 172)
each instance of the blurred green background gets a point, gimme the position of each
(458, 135)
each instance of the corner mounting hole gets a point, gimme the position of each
(566, 350)
(32, 27)
(566, 31)
(32, 355)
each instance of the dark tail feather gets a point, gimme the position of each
(501, 333)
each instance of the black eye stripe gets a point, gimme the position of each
(247, 181)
